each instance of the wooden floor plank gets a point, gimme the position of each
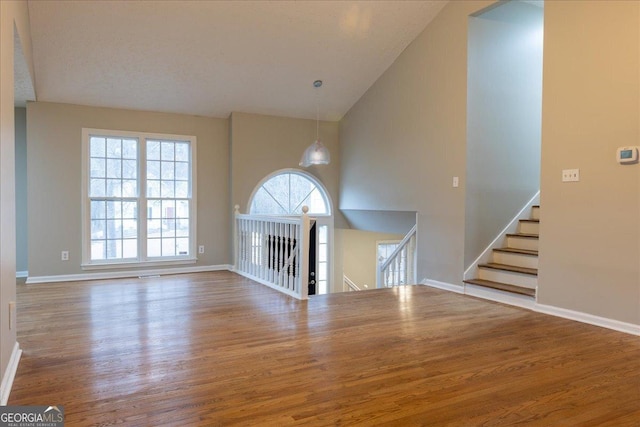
(215, 349)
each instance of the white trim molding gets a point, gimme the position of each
(530, 304)
(591, 319)
(127, 273)
(10, 374)
(22, 274)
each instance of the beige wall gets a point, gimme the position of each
(55, 172)
(263, 144)
(11, 12)
(21, 189)
(405, 139)
(358, 254)
(590, 235)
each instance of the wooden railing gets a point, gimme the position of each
(274, 251)
(348, 285)
(400, 267)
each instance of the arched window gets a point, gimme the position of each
(286, 192)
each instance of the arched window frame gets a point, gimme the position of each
(323, 191)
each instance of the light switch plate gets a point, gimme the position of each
(456, 182)
(570, 175)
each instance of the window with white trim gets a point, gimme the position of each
(139, 197)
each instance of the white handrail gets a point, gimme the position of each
(399, 268)
(274, 251)
(350, 286)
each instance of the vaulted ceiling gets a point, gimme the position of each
(213, 57)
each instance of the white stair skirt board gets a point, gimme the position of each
(509, 277)
(530, 227)
(127, 273)
(512, 227)
(519, 260)
(512, 299)
(10, 374)
(522, 243)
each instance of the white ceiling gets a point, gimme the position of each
(213, 57)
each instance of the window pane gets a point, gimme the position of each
(129, 228)
(129, 188)
(167, 169)
(168, 247)
(114, 229)
(153, 248)
(154, 228)
(153, 150)
(129, 169)
(97, 188)
(98, 229)
(182, 189)
(130, 248)
(129, 210)
(168, 227)
(114, 188)
(98, 145)
(98, 250)
(167, 189)
(154, 208)
(182, 209)
(98, 168)
(182, 228)
(264, 204)
(130, 148)
(114, 210)
(114, 249)
(167, 150)
(114, 168)
(153, 170)
(168, 209)
(286, 194)
(182, 171)
(182, 152)
(182, 246)
(98, 209)
(114, 148)
(153, 188)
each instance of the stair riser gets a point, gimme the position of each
(530, 227)
(511, 278)
(517, 260)
(535, 213)
(522, 243)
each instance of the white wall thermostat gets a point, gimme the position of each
(626, 155)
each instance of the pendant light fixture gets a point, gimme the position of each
(316, 153)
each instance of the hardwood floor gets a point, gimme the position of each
(215, 349)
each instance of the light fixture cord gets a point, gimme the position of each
(317, 115)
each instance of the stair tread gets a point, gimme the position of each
(502, 286)
(518, 251)
(512, 268)
(524, 235)
(534, 220)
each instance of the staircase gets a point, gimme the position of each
(514, 268)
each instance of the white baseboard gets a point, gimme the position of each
(528, 303)
(604, 322)
(125, 274)
(442, 285)
(22, 274)
(10, 374)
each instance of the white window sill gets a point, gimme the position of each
(128, 264)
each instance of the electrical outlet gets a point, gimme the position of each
(64, 255)
(201, 249)
(570, 175)
(456, 182)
